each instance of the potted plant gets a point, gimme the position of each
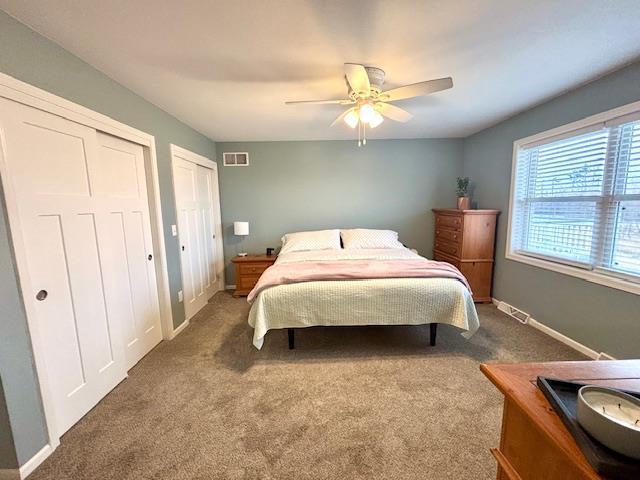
(464, 202)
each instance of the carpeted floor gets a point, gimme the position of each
(347, 403)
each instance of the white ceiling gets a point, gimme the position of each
(226, 67)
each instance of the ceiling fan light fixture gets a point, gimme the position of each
(366, 112)
(376, 120)
(351, 119)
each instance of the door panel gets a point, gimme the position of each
(193, 186)
(119, 177)
(48, 161)
(205, 205)
(83, 214)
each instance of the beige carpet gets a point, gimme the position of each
(347, 403)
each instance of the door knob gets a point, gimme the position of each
(150, 257)
(183, 248)
(41, 295)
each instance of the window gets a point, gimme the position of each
(576, 199)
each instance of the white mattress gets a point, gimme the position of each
(389, 301)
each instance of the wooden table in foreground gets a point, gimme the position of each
(534, 443)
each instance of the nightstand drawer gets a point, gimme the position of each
(247, 282)
(253, 268)
(248, 270)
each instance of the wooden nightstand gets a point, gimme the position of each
(248, 271)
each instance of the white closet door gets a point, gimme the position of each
(193, 186)
(119, 179)
(68, 210)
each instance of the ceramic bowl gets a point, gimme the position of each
(611, 417)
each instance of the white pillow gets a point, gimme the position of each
(318, 240)
(360, 238)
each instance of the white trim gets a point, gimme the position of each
(160, 250)
(22, 92)
(563, 338)
(178, 330)
(29, 95)
(35, 461)
(192, 157)
(588, 275)
(583, 123)
(589, 352)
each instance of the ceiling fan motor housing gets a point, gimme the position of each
(376, 79)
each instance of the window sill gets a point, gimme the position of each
(588, 275)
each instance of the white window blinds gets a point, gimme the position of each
(577, 199)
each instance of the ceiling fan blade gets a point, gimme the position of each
(393, 112)
(358, 79)
(341, 116)
(345, 101)
(416, 89)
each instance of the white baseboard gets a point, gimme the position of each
(589, 352)
(179, 329)
(33, 462)
(230, 287)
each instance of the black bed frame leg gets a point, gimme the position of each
(433, 330)
(292, 342)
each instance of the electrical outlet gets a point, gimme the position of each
(174, 230)
(180, 297)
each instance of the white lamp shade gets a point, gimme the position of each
(241, 228)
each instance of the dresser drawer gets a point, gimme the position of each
(448, 247)
(446, 234)
(449, 221)
(253, 268)
(439, 257)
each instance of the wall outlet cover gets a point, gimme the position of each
(174, 230)
(180, 296)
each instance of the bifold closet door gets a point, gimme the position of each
(193, 186)
(83, 226)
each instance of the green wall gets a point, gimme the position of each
(603, 318)
(31, 58)
(293, 186)
(311, 185)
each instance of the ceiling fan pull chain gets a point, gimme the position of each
(359, 127)
(364, 133)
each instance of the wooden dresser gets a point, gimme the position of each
(534, 443)
(466, 239)
(248, 271)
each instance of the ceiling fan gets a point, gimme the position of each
(370, 103)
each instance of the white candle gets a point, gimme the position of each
(611, 417)
(616, 408)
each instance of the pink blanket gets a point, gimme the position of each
(282, 274)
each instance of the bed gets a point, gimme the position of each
(359, 301)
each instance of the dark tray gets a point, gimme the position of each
(563, 397)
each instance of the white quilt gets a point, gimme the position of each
(394, 301)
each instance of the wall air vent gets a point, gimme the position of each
(235, 159)
(522, 317)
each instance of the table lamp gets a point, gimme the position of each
(242, 230)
